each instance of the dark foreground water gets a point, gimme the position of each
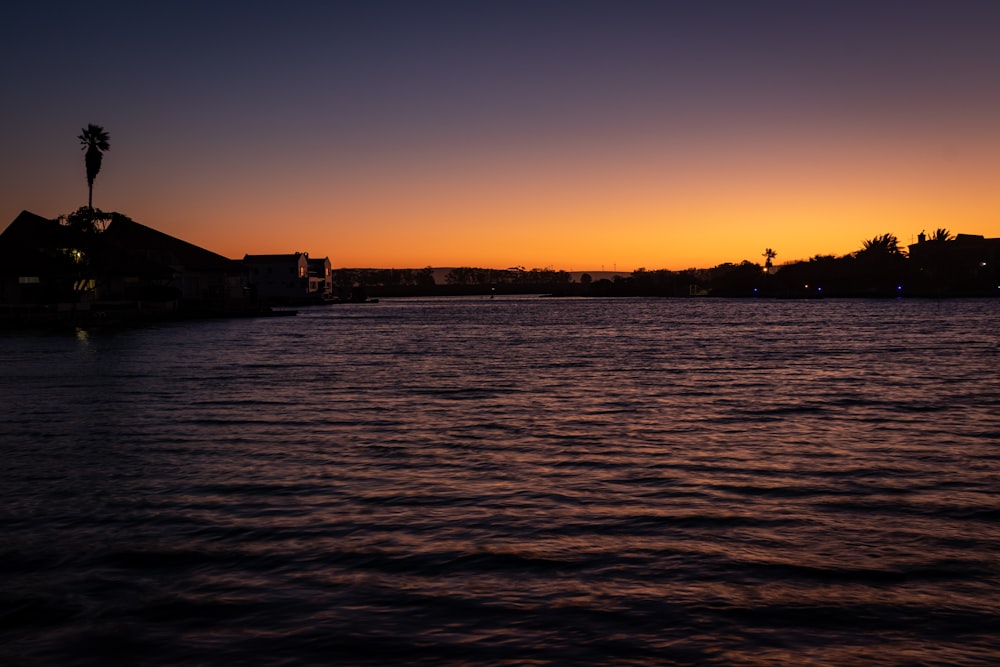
(508, 482)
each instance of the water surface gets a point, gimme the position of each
(508, 481)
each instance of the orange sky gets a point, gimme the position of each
(648, 136)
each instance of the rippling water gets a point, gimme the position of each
(518, 481)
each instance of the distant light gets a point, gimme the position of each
(899, 287)
(819, 289)
(807, 287)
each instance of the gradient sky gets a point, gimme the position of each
(571, 135)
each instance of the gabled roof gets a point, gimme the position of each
(30, 230)
(29, 246)
(33, 245)
(154, 245)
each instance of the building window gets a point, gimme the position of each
(28, 280)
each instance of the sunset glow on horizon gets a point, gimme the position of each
(574, 136)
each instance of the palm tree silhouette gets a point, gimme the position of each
(886, 244)
(769, 255)
(94, 140)
(941, 234)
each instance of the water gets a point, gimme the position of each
(518, 481)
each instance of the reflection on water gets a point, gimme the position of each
(509, 481)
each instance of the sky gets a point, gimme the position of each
(574, 135)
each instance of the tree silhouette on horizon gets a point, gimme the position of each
(94, 140)
(886, 244)
(769, 255)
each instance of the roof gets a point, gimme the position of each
(273, 259)
(156, 246)
(32, 230)
(29, 246)
(32, 244)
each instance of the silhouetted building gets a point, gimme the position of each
(140, 255)
(278, 278)
(56, 267)
(38, 264)
(969, 263)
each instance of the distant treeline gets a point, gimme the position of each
(458, 281)
(943, 266)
